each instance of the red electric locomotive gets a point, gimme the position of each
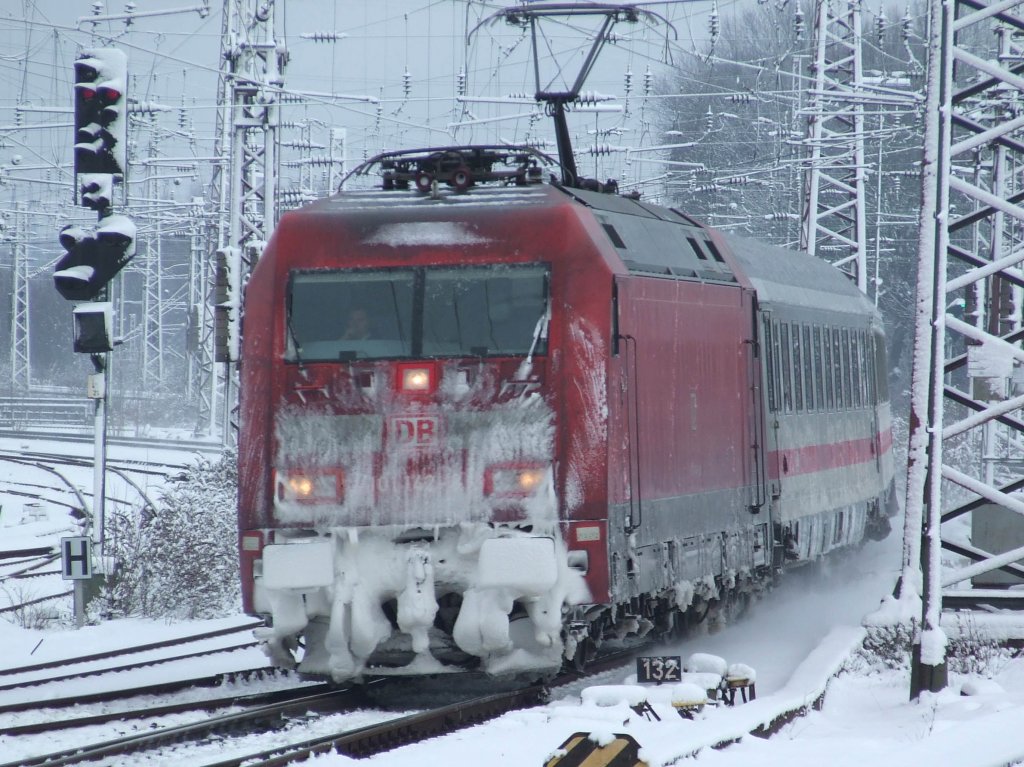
(488, 421)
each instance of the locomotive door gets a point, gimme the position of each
(626, 344)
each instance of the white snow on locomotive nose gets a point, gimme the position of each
(425, 233)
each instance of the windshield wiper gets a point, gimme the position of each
(291, 334)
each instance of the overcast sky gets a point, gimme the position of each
(407, 53)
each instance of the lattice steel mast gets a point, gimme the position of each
(963, 382)
(243, 188)
(833, 215)
(21, 370)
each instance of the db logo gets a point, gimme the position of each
(413, 431)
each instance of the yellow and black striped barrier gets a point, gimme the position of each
(580, 751)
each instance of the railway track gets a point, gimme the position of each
(126, 651)
(292, 714)
(161, 688)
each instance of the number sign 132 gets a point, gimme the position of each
(658, 668)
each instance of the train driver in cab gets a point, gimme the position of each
(358, 326)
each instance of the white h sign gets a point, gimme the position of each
(76, 558)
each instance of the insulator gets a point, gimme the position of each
(905, 24)
(799, 27)
(600, 149)
(323, 37)
(460, 82)
(714, 25)
(739, 98)
(648, 82)
(520, 96)
(629, 82)
(129, 7)
(97, 8)
(709, 120)
(590, 97)
(880, 24)
(738, 180)
(406, 83)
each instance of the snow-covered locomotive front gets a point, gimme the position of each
(400, 505)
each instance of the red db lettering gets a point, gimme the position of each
(411, 431)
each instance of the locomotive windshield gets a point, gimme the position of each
(496, 310)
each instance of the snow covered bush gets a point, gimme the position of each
(180, 560)
(885, 646)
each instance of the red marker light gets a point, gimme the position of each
(416, 378)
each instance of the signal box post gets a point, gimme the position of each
(94, 256)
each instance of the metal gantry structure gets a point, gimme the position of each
(833, 205)
(21, 368)
(967, 436)
(243, 199)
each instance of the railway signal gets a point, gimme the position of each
(93, 258)
(97, 191)
(101, 128)
(94, 332)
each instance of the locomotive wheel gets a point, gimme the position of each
(586, 651)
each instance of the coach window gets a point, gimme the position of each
(851, 369)
(798, 370)
(837, 369)
(787, 385)
(777, 364)
(858, 368)
(826, 371)
(805, 331)
(770, 364)
(865, 369)
(869, 369)
(819, 378)
(844, 356)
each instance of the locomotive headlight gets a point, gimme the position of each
(416, 379)
(514, 481)
(322, 486)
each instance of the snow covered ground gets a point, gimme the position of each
(792, 639)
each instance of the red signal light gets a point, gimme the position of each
(416, 378)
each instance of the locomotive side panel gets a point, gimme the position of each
(687, 408)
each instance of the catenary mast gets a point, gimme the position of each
(243, 188)
(833, 218)
(966, 393)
